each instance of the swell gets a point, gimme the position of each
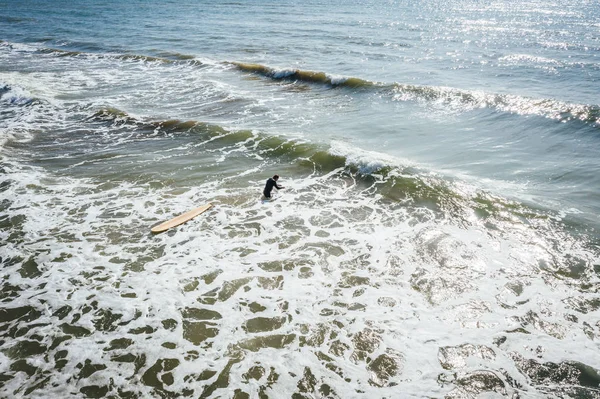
(162, 57)
(463, 100)
(388, 179)
(392, 181)
(456, 99)
(110, 132)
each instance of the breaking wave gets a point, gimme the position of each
(456, 99)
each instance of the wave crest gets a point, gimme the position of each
(302, 75)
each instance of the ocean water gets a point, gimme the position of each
(438, 234)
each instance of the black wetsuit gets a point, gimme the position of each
(269, 187)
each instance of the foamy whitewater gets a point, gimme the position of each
(437, 236)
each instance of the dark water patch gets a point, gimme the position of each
(222, 380)
(88, 368)
(19, 330)
(255, 307)
(277, 341)
(565, 377)
(477, 383)
(29, 269)
(201, 314)
(25, 348)
(8, 314)
(310, 386)
(239, 394)
(23, 366)
(76, 331)
(59, 340)
(208, 279)
(582, 304)
(191, 286)
(169, 324)
(43, 381)
(203, 376)
(383, 368)
(4, 205)
(365, 342)
(60, 359)
(264, 324)
(160, 374)
(105, 320)
(270, 283)
(94, 391)
(143, 330)
(229, 288)
(126, 358)
(119, 343)
(254, 373)
(198, 332)
(349, 281)
(9, 292)
(5, 185)
(175, 125)
(314, 336)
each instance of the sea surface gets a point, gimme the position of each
(438, 235)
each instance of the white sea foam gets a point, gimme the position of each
(21, 109)
(353, 268)
(368, 162)
(283, 73)
(337, 79)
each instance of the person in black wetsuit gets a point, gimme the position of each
(272, 182)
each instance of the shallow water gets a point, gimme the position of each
(437, 236)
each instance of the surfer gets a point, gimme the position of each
(272, 182)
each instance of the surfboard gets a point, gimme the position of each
(181, 218)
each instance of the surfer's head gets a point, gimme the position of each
(276, 177)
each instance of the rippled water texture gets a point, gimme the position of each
(437, 235)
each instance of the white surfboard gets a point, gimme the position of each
(181, 218)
